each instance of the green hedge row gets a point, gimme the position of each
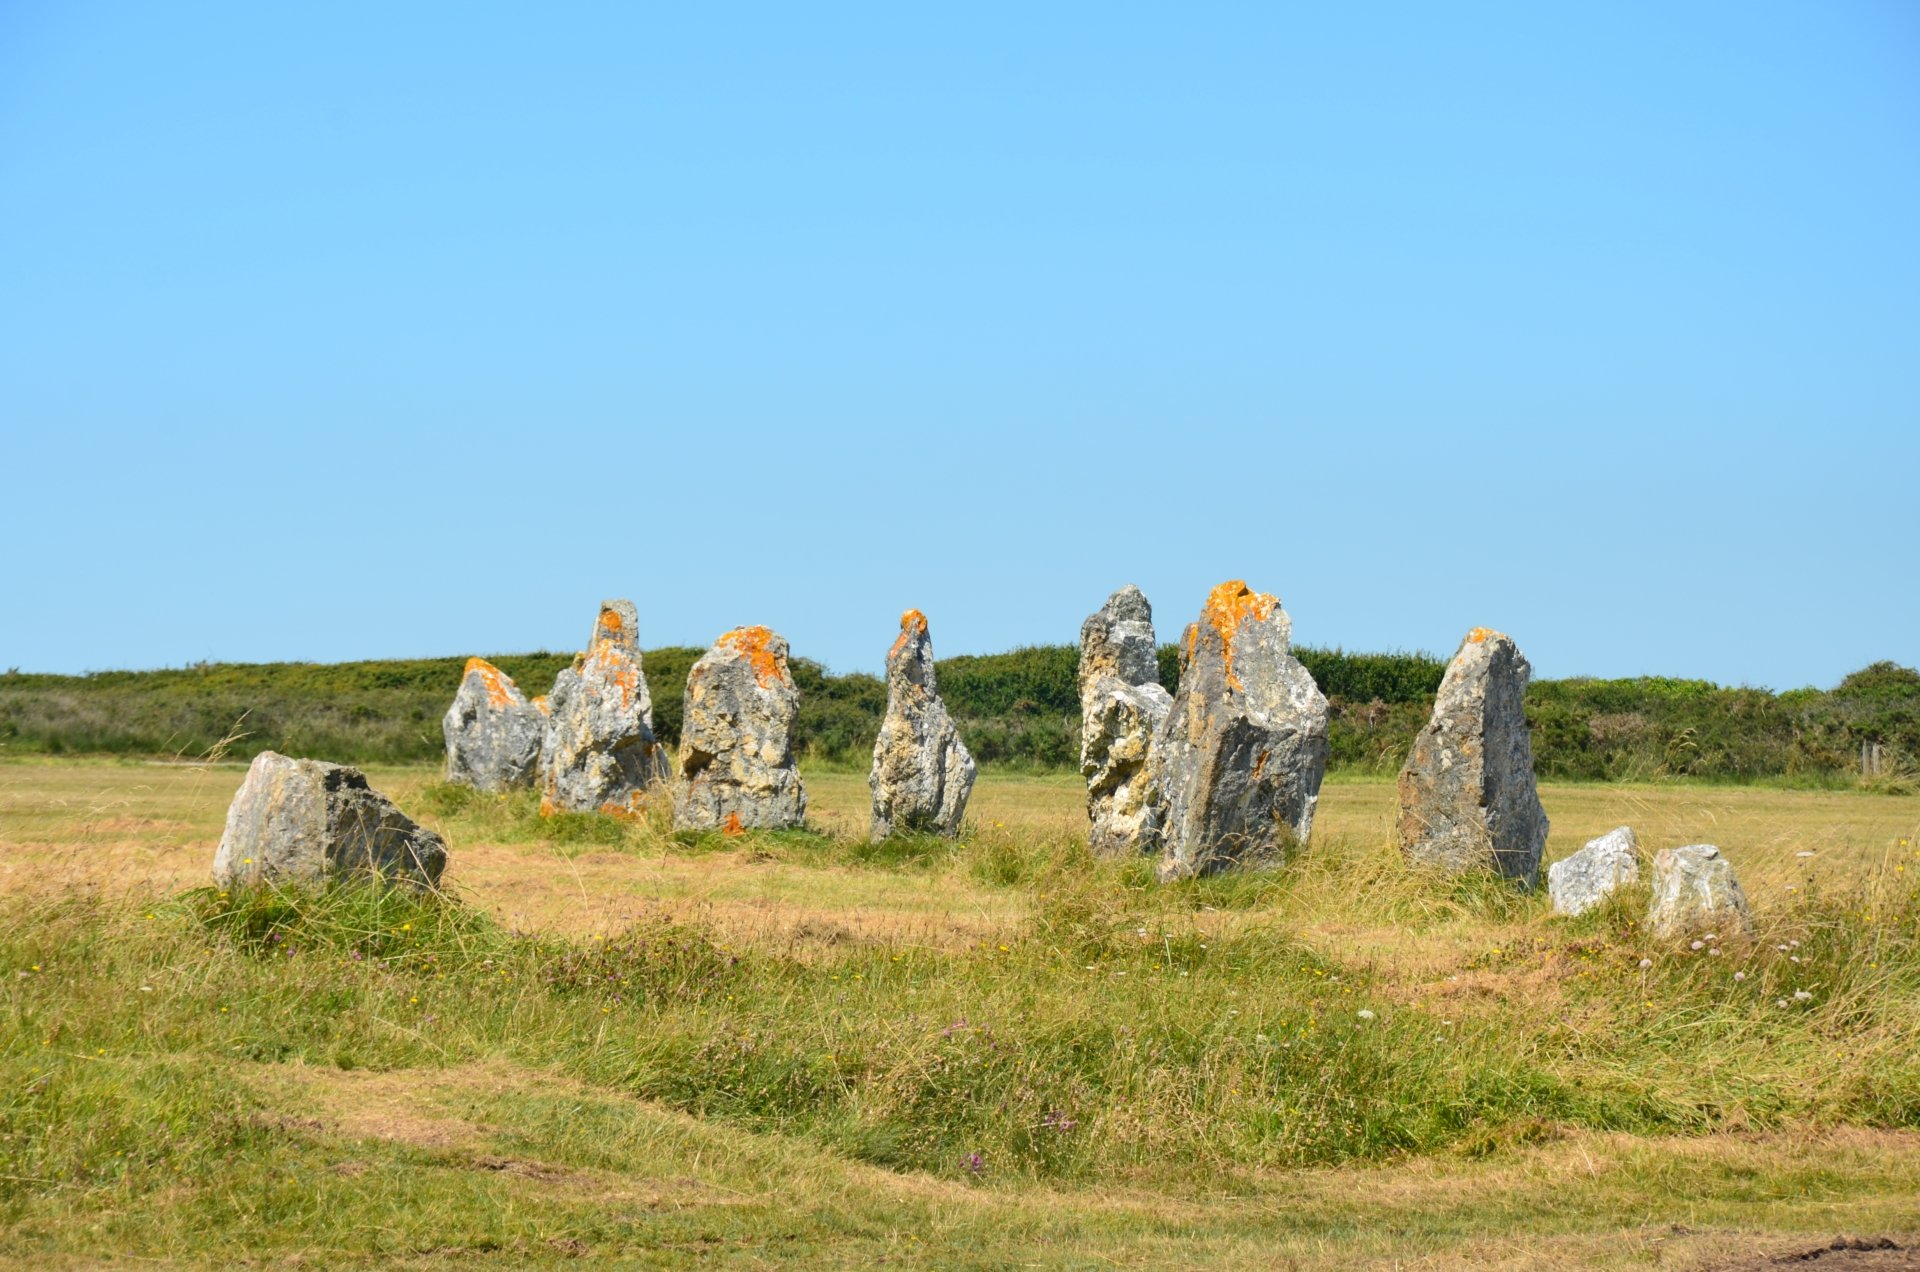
(1018, 707)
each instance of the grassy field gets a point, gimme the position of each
(616, 1046)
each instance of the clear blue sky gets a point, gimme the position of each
(356, 330)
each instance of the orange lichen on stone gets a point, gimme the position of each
(733, 826)
(1229, 605)
(541, 702)
(912, 623)
(613, 663)
(492, 679)
(755, 644)
(611, 624)
(1479, 634)
(633, 810)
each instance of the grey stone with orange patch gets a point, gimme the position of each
(600, 753)
(1239, 758)
(922, 773)
(1467, 794)
(493, 733)
(1122, 703)
(1577, 883)
(302, 822)
(735, 769)
(1694, 890)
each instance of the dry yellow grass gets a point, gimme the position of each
(120, 825)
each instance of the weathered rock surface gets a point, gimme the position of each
(301, 822)
(1694, 890)
(922, 773)
(1238, 759)
(493, 732)
(600, 753)
(1122, 703)
(1467, 795)
(736, 770)
(1577, 883)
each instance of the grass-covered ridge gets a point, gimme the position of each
(1019, 707)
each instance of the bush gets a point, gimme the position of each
(1020, 707)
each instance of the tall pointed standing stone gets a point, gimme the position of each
(1122, 702)
(600, 753)
(735, 770)
(1467, 795)
(922, 773)
(493, 732)
(1239, 758)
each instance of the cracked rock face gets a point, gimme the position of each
(302, 822)
(1694, 890)
(735, 769)
(1239, 757)
(600, 753)
(922, 774)
(1577, 883)
(493, 732)
(1467, 795)
(1122, 703)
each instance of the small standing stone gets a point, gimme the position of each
(921, 773)
(736, 770)
(1694, 890)
(1577, 883)
(301, 822)
(1467, 795)
(1122, 703)
(1239, 757)
(493, 732)
(600, 753)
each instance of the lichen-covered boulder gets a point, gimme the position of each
(735, 770)
(1122, 703)
(600, 753)
(493, 732)
(921, 773)
(1694, 890)
(1239, 757)
(302, 822)
(1577, 883)
(1467, 795)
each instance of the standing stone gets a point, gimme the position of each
(1122, 703)
(1467, 798)
(922, 773)
(1694, 890)
(493, 732)
(1577, 883)
(736, 769)
(300, 822)
(600, 753)
(1239, 757)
